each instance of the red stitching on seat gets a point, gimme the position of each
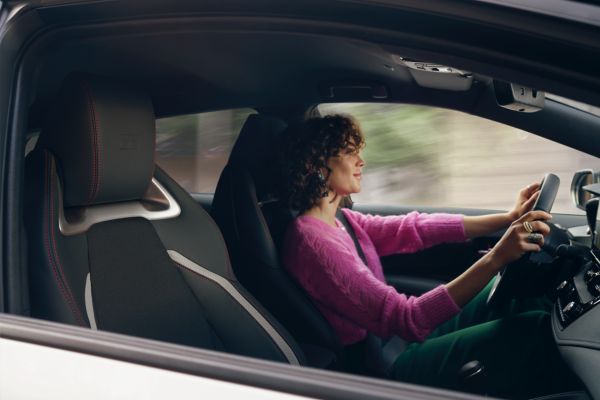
(52, 252)
(94, 184)
(46, 228)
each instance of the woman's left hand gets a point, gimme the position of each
(525, 200)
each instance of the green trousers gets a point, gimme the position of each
(516, 347)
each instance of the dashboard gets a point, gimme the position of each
(579, 294)
(576, 314)
(575, 323)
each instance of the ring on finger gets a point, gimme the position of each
(528, 227)
(535, 237)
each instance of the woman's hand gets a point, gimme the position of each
(517, 240)
(525, 200)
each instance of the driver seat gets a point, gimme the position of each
(253, 221)
(115, 244)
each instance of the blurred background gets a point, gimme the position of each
(415, 155)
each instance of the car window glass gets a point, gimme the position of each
(193, 149)
(575, 104)
(426, 156)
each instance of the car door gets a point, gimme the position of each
(21, 23)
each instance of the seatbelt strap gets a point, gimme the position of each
(340, 215)
(379, 356)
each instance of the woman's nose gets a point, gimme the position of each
(361, 162)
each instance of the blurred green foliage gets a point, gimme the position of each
(396, 135)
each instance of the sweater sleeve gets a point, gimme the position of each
(408, 233)
(335, 278)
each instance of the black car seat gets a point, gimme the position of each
(115, 244)
(253, 221)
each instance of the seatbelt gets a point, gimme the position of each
(379, 356)
(340, 215)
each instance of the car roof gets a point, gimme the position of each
(200, 56)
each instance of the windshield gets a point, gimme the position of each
(428, 156)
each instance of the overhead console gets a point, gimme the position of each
(435, 75)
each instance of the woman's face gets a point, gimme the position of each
(346, 172)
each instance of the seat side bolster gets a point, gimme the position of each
(208, 286)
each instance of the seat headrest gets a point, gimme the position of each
(256, 149)
(257, 139)
(102, 133)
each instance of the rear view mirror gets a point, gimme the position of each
(518, 97)
(579, 195)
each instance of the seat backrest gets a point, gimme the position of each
(253, 220)
(115, 244)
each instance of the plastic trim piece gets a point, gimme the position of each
(89, 304)
(106, 212)
(227, 286)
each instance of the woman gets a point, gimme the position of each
(447, 326)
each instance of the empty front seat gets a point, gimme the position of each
(253, 221)
(117, 245)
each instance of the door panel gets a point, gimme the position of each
(419, 272)
(42, 359)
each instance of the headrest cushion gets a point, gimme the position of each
(257, 139)
(102, 133)
(256, 150)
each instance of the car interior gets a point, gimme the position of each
(109, 241)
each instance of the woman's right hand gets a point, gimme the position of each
(515, 243)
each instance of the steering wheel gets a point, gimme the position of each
(508, 275)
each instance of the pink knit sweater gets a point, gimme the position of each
(354, 297)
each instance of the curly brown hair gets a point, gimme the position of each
(307, 148)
